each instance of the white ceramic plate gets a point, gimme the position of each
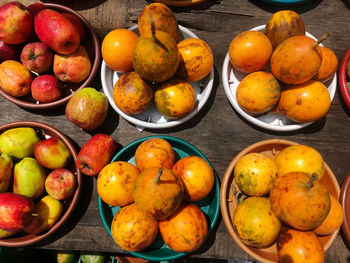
(151, 118)
(270, 121)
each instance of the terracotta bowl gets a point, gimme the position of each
(228, 205)
(91, 44)
(46, 131)
(343, 78)
(345, 201)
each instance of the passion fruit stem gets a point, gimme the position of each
(322, 38)
(313, 178)
(159, 174)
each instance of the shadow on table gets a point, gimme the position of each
(299, 8)
(77, 4)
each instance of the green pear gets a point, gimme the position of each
(18, 142)
(5, 171)
(66, 257)
(29, 178)
(5, 233)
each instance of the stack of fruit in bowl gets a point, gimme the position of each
(279, 68)
(46, 53)
(39, 182)
(158, 71)
(287, 207)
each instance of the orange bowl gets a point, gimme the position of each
(46, 131)
(228, 205)
(92, 46)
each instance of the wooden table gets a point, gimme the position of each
(218, 131)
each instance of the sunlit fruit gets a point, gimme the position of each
(250, 51)
(329, 64)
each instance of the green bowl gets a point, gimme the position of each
(210, 205)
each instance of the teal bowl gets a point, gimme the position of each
(210, 205)
(286, 2)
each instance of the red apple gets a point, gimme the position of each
(95, 154)
(37, 57)
(60, 184)
(78, 24)
(15, 211)
(16, 23)
(52, 153)
(35, 8)
(46, 88)
(8, 52)
(56, 31)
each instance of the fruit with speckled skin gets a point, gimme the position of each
(305, 102)
(6, 165)
(132, 230)
(300, 158)
(162, 17)
(115, 183)
(154, 152)
(282, 25)
(185, 230)
(254, 222)
(299, 246)
(255, 174)
(37, 57)
(196, 175)
(333, 220)
(132, 94)
(300, 201)
(60, 184)
(296, 60)
(258, 92)
(158, 192)
(329, 64)
(196, 59)
(250, 51)
(175, 98)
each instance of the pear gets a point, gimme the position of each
(5, 171)
(29, 178)
(19, 142)
(66, 256)
(5, 233)
(47, 212)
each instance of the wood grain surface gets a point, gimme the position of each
(218, 131)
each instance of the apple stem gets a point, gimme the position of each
(160, 171)
(35, 214)
(313, 178)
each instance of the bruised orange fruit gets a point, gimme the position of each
(132, 94)
(115, 183)
(255, 174)
(300, 158)
(117, 47)
(250, 51)
(329, 64)
(254, 222)
(282, 25)
(175, 98)
(154, 152)
(305, 102)
(132, 230)
(185, 230)
(196, 59)
(258, 92)
(196, 175)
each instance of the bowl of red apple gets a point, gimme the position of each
(47, 52)
(39, 182)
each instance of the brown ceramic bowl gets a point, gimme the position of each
(91, 44)
(228, 205)
(46, 131)
(345, 201)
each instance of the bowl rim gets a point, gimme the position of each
(344, 200)
(226, 69)
(95, 64)
(33, 238)
(225, 187)
(216, 188)
(342, 78)
(152, 125)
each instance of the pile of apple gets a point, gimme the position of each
(300, 67)
(41, 50)
(35, 183)
(157, 194)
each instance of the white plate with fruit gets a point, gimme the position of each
(270, 120)
(151, 117)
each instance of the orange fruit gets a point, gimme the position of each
(117, 48)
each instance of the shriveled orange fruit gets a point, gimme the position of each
(250, 51)
(117, 47)
(115, 183)
(196, 59)
(154, 152)
(329, 64)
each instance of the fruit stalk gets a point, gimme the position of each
(159, 174)
(311, 181)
